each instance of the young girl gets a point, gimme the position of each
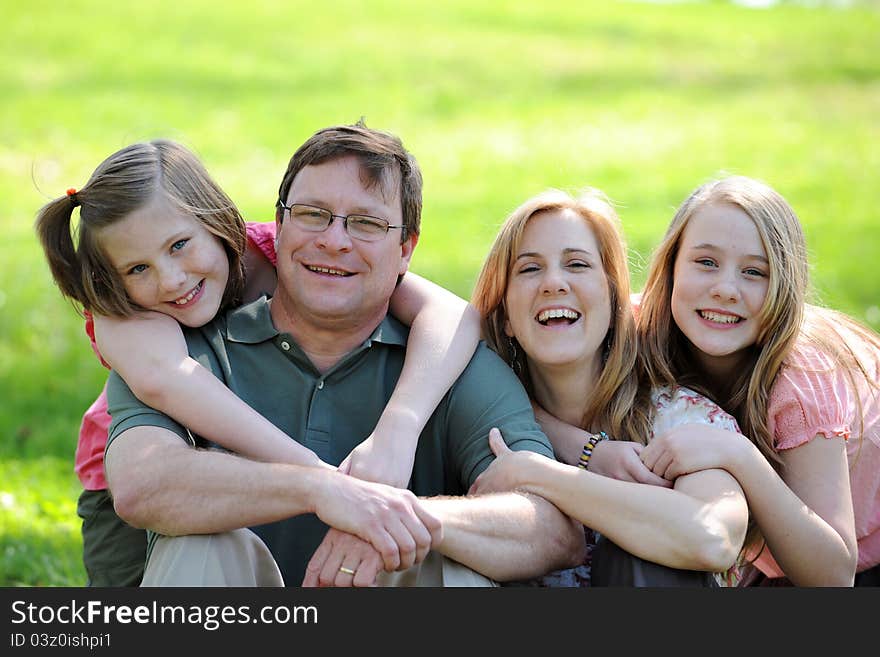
(724, 311)
(553, 293)
(137, 304)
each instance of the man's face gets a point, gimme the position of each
(329, 277)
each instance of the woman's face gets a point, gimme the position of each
(558, 305)
(720, 281)
(168, 261)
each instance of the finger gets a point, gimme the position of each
(430, 522)
(368, 570)
(474, 486)
(405, 537)
(386, 545)
(649, 455)
(496, 442)
(643, 475)
(316, 563)
(662, 464)
(330, 569)
(347, 572)
(345, 466)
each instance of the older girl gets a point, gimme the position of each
(724, 311)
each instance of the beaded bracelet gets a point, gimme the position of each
(595, 439)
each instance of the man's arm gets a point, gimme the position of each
(161, 483)
(507, 536)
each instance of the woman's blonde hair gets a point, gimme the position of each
(617, 405)
(124, 182)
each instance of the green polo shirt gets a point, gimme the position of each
(333, 412)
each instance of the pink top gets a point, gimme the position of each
(811, 397)
(89, 458)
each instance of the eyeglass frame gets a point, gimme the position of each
(345, 219)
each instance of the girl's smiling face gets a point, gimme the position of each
(720, 281)
(168, 261)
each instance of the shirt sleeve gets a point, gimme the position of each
(262, 236)
(487, 395)
(673, 408)
(810, 397)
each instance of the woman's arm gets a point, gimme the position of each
(149, 353)
(805, 514)
(443, 335)
(700, 524)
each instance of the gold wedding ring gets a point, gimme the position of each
(347, 571)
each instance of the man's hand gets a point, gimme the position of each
(343, 560)
(390, 519)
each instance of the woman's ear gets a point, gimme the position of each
(508, 331)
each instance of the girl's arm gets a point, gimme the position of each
(149, 353)
(443, 335)
(805, 515)
(700, 524)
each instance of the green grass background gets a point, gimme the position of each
(498, 100)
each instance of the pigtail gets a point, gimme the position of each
(55, 232)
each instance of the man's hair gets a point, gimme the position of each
(384, 162)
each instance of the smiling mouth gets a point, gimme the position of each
(557, 316)
(182, 301)
(719, 318)
(328, 270)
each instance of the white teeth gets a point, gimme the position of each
(557, 313)
(719, 318)
(189, 297)
(327, 270)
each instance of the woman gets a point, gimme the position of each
(554, 297)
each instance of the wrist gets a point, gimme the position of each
(587, 450)
(399, 422)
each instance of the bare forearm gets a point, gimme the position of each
(810, 551)
(173, 489)
(663, 525)
(507, 536)
(199, 400)
(444, 331)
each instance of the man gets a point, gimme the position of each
(320, 360)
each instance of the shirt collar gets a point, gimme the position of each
(252, 323)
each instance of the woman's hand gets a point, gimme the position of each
(621, 459)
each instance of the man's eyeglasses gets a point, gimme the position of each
(359, 226)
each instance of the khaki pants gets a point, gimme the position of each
(240, 558)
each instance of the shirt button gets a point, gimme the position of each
(321, 384)
(285, 345)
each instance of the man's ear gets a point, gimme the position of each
(406, 251)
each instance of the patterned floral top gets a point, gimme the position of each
(672, 408)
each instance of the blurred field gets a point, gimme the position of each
(498, 100)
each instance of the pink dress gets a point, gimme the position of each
(89, 458)
(810, 398)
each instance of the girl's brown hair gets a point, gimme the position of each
(124, 182)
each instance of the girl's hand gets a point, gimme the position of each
(380, 459)
(620, 459)
(507, 472)
(693, 447)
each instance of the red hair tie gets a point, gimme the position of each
(71, 194)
